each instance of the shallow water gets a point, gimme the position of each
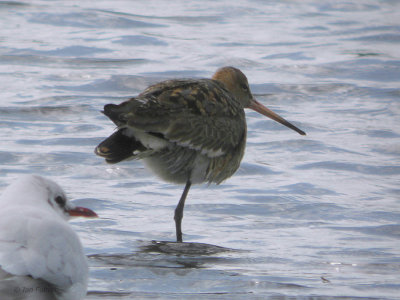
(314, 217)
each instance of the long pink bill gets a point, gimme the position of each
(258, 107)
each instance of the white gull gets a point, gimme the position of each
(41, 257)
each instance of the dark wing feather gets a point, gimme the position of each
(198, 114)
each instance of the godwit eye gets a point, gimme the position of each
(60, 201)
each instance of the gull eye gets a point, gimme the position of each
(60, 201)
(244, 87)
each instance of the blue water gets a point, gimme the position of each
(314, 217)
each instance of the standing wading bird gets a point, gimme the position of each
(187, 130)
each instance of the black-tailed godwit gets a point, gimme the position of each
(187, 130)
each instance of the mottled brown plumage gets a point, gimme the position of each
(186, 131)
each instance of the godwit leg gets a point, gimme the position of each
(179, 212)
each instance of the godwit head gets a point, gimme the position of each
(236, 83)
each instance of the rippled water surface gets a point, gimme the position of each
(314, 217)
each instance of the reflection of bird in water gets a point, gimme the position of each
(41, 257)
(187, 131)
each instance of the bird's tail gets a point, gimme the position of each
(118, 147)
